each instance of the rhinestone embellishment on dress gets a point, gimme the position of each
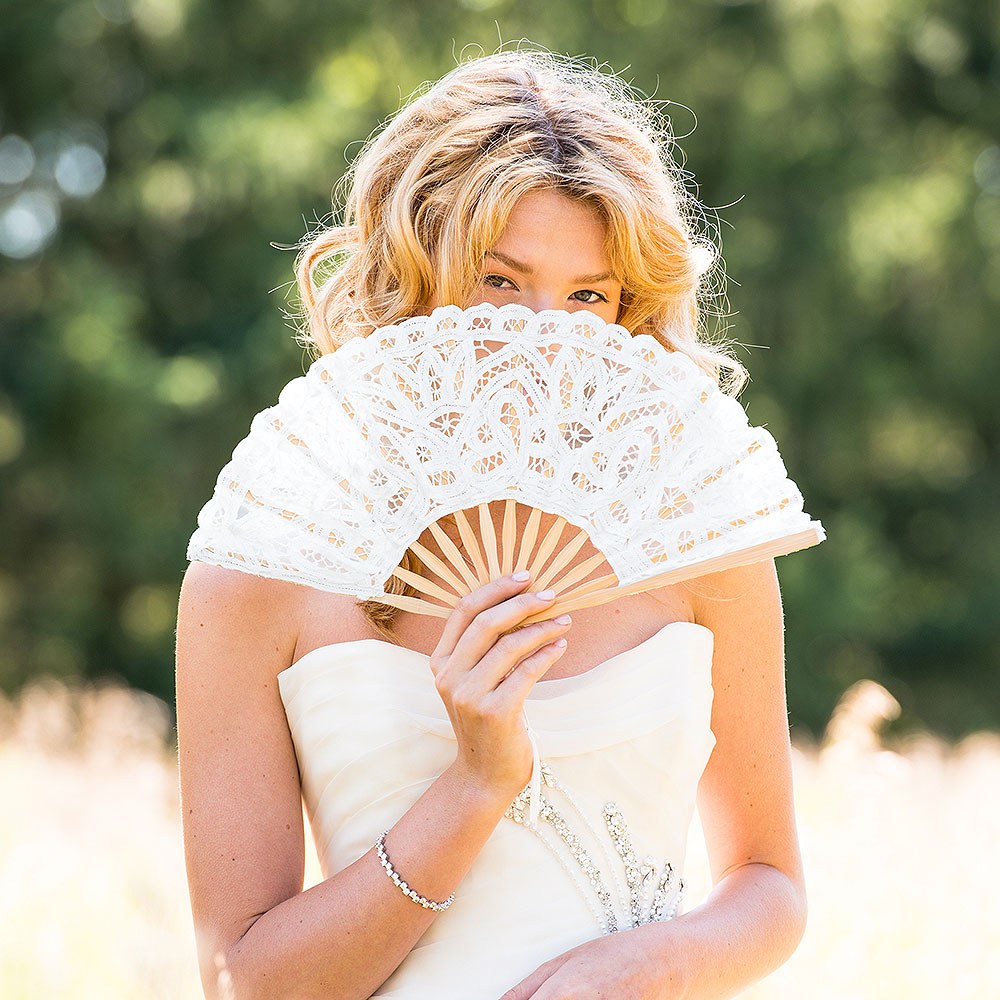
(639, 876)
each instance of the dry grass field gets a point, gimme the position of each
(900, 850)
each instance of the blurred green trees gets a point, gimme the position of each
(152, 151)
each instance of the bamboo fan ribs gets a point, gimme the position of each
(483, 562)
(619, 442)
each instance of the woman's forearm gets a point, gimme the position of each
(749, 925)
(345, 936)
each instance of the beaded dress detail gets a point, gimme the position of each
(638, 877)
(594, 844)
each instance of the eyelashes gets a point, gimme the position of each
(494, 281)
(491, 279)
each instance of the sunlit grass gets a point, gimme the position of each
(900, 854)
(899, 847)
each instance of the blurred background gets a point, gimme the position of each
(154, 157)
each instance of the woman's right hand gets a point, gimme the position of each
(483, 672)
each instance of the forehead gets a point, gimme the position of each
(550, 226)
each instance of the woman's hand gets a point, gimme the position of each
(630, 965)
(483, 672)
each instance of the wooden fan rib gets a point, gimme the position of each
(548, 544)
(424, 586)
(508, 537)
(471, 544)
(440, 567)
(604, 583)
(489, 540)
(765, 550)
(565, 583)
(452, 551)
(528, 538)
(415, 605)
(562, 558)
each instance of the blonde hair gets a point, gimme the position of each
(431, 193)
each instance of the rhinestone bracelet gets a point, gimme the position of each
(427, 904)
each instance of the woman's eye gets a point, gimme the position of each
(496, 280)
(598, 297)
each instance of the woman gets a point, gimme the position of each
(521, 178)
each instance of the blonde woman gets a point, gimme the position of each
(517, 178)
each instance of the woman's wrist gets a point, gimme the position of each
(665, 944)
(476, 794)
(748, 926)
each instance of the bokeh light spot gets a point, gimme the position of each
(148, 612)
(17, 159)
(79, 170)
(986, 170)
(167, 190)
(89, 339)
(938, 45)
(28, 223)
(188, 382)
(350, 78)
(158, 18)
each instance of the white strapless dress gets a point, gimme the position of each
(619, 752)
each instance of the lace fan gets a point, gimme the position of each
(623, 442)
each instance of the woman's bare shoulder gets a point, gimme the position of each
(222, 607)
(738, 598)
(222, 585)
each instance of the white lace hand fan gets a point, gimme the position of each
(626, 441)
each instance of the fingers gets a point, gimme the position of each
(512, 689)
(528, 987)
(485, 664)
(528, 651)
(479, 618)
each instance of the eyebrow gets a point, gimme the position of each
(525, 269)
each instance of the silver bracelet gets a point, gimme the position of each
(427, 904)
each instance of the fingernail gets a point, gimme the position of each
(521, 575)
(545, 595)
(562, 620)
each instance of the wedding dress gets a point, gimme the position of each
(595, 843)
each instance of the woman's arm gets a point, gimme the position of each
(258, 933)
(755, 916)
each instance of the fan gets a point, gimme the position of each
(616, 440)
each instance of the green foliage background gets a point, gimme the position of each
(855, 143)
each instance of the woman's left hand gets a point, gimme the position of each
(629, 965)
